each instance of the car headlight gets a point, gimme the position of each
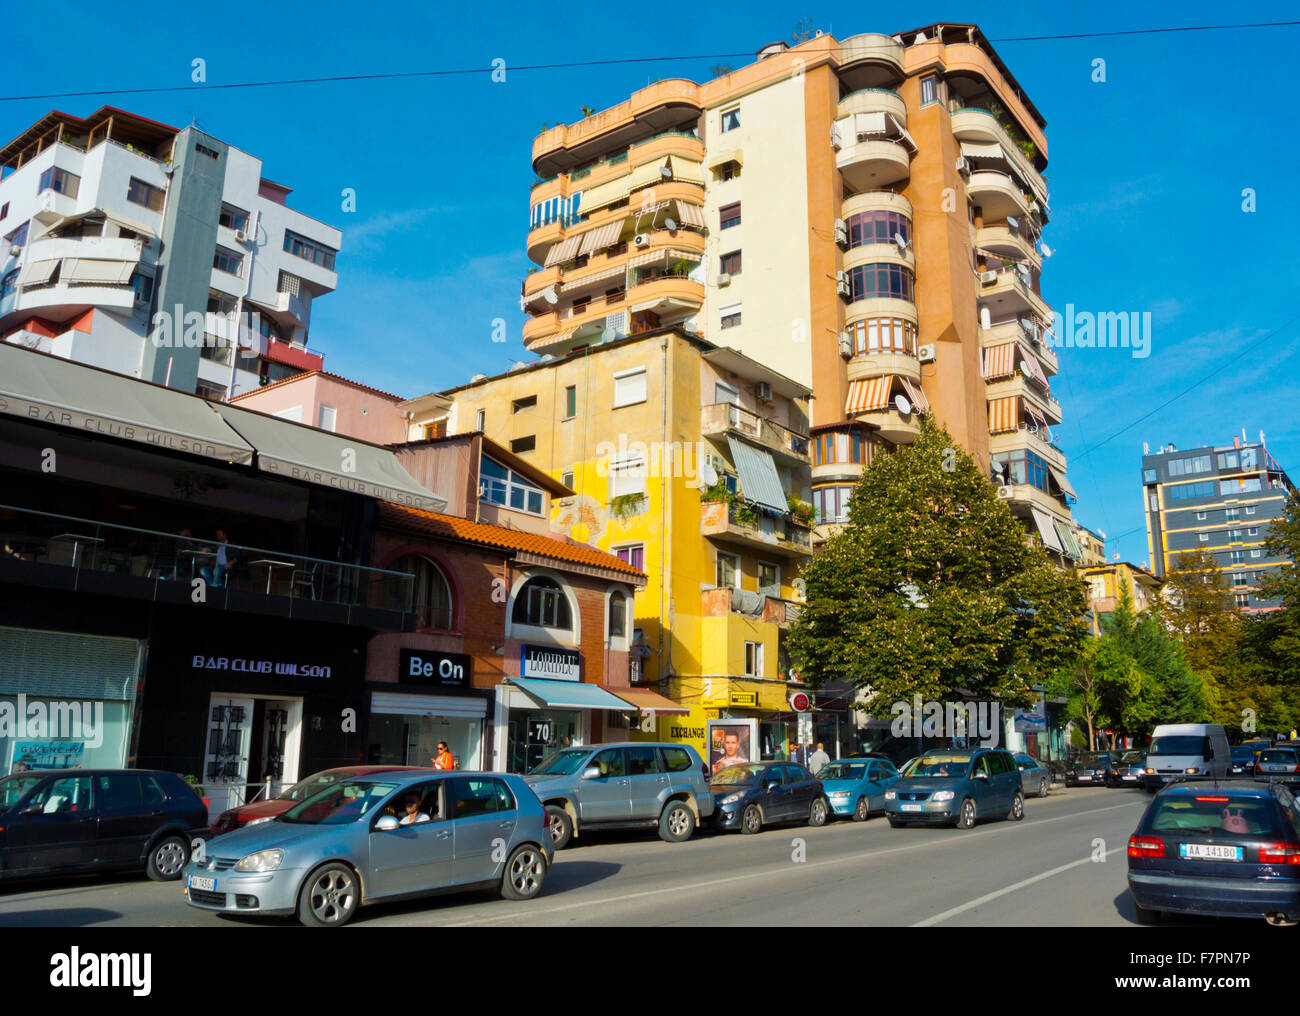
(891, 795)
(942, 795)
(259, 821)
(1191, 770)
(1151, 772)
(732, 798)
(263, 860)
(838, 795)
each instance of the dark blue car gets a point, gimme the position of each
(956, 787)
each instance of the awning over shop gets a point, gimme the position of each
(1046, 527)
(328, 460)
(758, 476)
(999, 361)
(565, 250)
(601, 237)
(605, 194)
(1068, 541)
(47, 389)
(868, 396)
(1004, 414)
(570, 695)
(651, 701)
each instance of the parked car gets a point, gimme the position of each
(77, 820)
(957, 788)
(755, 794)
(382, 837)
(607, 786)
(1242, 761)
(1088, 770)
(856, 786)
(1278, 764)
(1227, 850)
(1034, 776)
(1127, 770)
(1186, 750)
(264, 811)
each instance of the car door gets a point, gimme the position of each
(802, 787)
(984, 791)
(647, 781)
(414, 857)
(607, 798)
(125, 821)
(484, 815)
(776, 800)
(1007, 776)
(60, 832)
(882, 775)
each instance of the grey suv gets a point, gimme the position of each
(623, 785)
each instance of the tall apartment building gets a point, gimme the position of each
(863, 215)
(111, 219)
(1220, 500)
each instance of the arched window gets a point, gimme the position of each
(617, 615)
(542, 603)
(431, 598)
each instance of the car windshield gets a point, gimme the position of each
(1278, 755)
(1131, 757)
(744, 772)
(304, 789)
(1243, 751)
(1180, 744)
(14, 788)
(339, 803)
(563, 763)
(937, 766)
(1093, 760)
(842, 771)
(1217, 814)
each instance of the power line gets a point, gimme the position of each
(464, 71)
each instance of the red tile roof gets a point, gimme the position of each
(313, 373)
(451, 527)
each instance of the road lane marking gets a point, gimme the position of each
(530, 912)
(989, 897)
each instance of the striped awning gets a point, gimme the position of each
(572, 285)
(604, 194)
(690, 215)
(601, 237)
(1032, 366)
(565, 250)
(687, 170)
(916, 395)
(868, 396)
(650, 173)
(1004, 414)
(989, 151)
(1068, 542)
(1046, 527)
(999, 361)
(1035, 413)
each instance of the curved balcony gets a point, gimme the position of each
(836, 472)
(541, 239)
(868, 365)
(874, 100)
(892, 425)
(875, 201)
(997, 195)
(970, 123)
(871, 165)
(1004, 241)
(1026, 438)
(880, 306)
(668, 143)
(1007, 296)
(870, 59)
(970, 59)
(662, 295)
(878, 253)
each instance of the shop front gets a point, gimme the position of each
(67, 700)
(429, 699)
(776, 725)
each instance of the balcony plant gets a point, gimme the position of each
(626, 505)
(801, 512)
(742, 512)
(716, 493)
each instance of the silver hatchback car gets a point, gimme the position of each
(382, 837)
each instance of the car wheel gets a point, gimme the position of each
(525, 872)
(560, 826)
(677, 823)
(1145, 916)
(1042, 788)
(752, 820)
(896, 823)
(817, 812)
(329, 897)
(966, 817)
(167, 858)
(862, 811)
(1017, 807)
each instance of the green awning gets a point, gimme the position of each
(758, 476)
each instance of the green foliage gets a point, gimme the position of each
(626, 505)
(1284, 541)
(932, 587)
(721, 70)
(804, 30)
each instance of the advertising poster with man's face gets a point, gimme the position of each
(729, 744)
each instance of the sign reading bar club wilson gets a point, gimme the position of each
(550, 664)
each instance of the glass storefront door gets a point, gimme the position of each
(536, 733)
(403, 740)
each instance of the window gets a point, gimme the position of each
(633, 554)
(730, 315)
(211, 153)
(143, 286)
(1227, 460)
(1188, 491)
(729, 264)
(1191, 464)
(566, 478)
(883, 335)
(570, 402)
(1250, 509)
(480, 420)
(18, 237)
(1236, 556)
(726, 393)
(523, 444)
(1203, 537)
(754, 659)
(60, 181)
(478, 795)
(140, 193)
(1230, 515)
(1238, 578)
(527, 402)
(1148, 476)
(4, 211)
(869, 281)
(629, 387)
(929, 89)
(228, 261)
(643, 760)
(326, 418)
(430, 593)
(676, 760)
(729, 170)
(221, 303)
(1240, 486)
(1200, 516)
(831, 504)
(309, 250)
(1242, 599)
(730, 119)
(610, 763)
(627, 475)
(878, 227)
(1253, 531)
(233, 218)
(542, 603)
(769, 578)
(729, 215)
(1256, 553)
(9, 283)
(499, 485)
(1024, 467)
(617, 615)
(1234, 535)
(434, 430)
(728, 571)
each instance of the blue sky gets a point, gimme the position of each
(1147, 174)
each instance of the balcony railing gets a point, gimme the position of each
(755, 523)
(86, 546)
(719, 416)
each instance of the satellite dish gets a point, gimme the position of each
(708, 474)
(550, 296)
(999, 468)
(902, 243)
(902, 405)
(665, 172)
(1027, 365)
(1047, 251)
(1013, 223)
(670, 225)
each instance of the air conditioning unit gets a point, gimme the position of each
(841, 232)
(763, 390)
(641, 240)
(925, 353)
(988, 278)
(842, 284)
(241, 236)
(1006, 493)
(963, 166)
(724, 279)
(846, 346)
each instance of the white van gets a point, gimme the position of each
(1187, 750)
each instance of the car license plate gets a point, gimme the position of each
(206, 884)
(1084, 778)
(911, 807)
(1130, 777)
(1209, 851)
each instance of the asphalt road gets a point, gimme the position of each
(1043, 871)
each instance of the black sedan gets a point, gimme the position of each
(753, 794)
(1242, 762)
(1088, 770)
(1227, 851)
(1127, 770)
(79, 820)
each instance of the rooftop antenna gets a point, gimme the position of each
(1146, 448)
(1261, 437)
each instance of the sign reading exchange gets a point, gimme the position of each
(419, 666)
(550, 664)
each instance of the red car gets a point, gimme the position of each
(264, 811)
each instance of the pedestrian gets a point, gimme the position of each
(444, 759)
(796, 753)
(818, 759)
(215, 574)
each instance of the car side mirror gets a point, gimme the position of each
(387, 824)
(772, 784)
(591, 773)
(981, 776)
(32, 809)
